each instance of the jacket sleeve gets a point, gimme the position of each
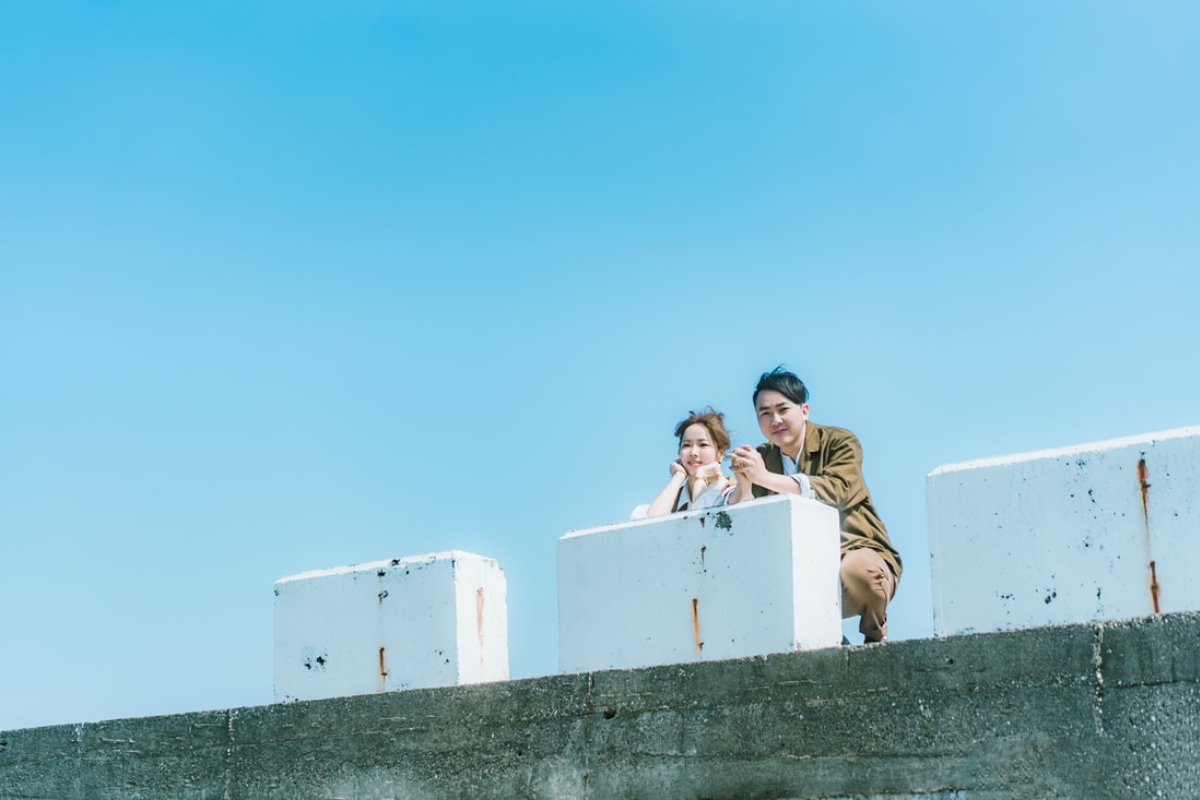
(839, 482)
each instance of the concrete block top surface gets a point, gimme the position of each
(714, 512)
(386, 564)
(1067, 452)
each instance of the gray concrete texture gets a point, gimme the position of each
(1088, 711)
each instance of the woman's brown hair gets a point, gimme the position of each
(712, 421)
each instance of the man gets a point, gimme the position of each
(823, 463)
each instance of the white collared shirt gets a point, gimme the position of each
(792, 470)
(712, 497)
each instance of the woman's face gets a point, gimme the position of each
(696, 449)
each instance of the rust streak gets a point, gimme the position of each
(1144, 479)
(696, 623)
(382, 662)
(702, 549)
(1155, 589)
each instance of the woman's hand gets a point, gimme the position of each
(665, 502)
(745, 487)
(705, 476)
(709, 473)
(747, 464)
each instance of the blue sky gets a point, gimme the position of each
(290, 286)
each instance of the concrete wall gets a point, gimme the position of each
(1097, 531)
(753, 578)
(1080, 711)
(433, 620)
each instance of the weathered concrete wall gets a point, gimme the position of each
(748, 579)
(1097, 531)
(438, 619)
(1083, 711)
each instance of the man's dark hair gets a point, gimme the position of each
(784, 382)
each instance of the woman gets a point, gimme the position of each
(696, 479)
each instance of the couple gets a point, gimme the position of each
(801, 457)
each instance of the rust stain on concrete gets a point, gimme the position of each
(1143, 474)
(696, 623)
(381, 678)
(1155, 589)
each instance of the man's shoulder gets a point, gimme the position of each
(831, 436)
(833, 430)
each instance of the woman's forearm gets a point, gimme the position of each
(743, 491)
(665, 502)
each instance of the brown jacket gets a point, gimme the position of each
(832, 460)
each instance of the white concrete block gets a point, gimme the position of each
(1100, 531)
(754, 578)
(433, 620)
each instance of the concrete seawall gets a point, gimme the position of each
(1097, 710)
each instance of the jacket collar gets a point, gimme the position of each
(812, 437)
(812, 442)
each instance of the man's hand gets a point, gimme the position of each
(747, 464)
(744, 489)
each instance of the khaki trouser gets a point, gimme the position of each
(867, 586)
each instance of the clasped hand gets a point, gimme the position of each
(747, 463)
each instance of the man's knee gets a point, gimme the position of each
(867, 587)
(867, 584)
(865, 573)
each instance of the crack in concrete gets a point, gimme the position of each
(587, 728)
(229, 715)
(1098, 663)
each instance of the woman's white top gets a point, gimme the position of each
(712, 497)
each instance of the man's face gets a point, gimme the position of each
(781, 421)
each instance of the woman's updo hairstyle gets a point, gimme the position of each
(713, 422)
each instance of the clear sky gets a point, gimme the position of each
(286, 286)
